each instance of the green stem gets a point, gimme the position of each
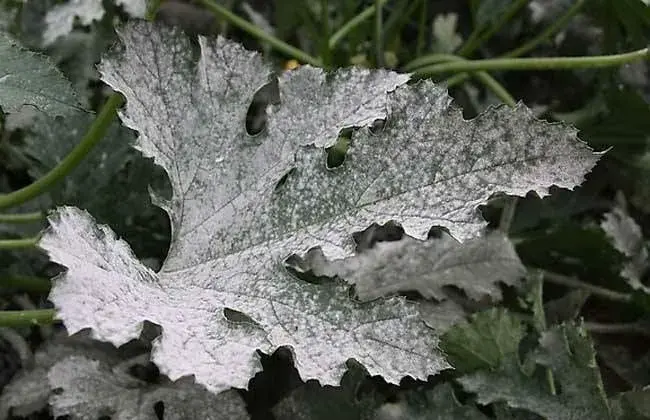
(621, 328)
(554, 28)
(256, 32)
(379, 38)
(490, 82)
(528, 46)
(508, 213)
(95, 133)
(26, 284)
(430, 59)
(497, 88)
(9, 244)
(326, 56)
(352, 24)
(422, 29)
(36, 216)
(478, 37)
(578, 284)
(534, 63)
(27, 318)
(539, 321)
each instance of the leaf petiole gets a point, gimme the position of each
(94, 134)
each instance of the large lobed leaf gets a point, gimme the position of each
(223, 291)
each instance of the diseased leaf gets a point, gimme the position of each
(568, 352)
(29, 391)
(85, 389)
(27, 78)
(59, 20)
(234, 222)
(476, 266)
(627, 238)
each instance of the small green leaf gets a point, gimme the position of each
(568, 352)
(489, 338)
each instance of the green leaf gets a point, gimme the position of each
(568, 352)
(27, 78)
(633, 405)
(485, 342)
(241, 205)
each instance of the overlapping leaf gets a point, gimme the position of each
(60, 20)
(565, 350)
(627, 238)
(28, 78)
(476, 266)
(232, 228)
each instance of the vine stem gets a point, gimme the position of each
(353, 23)
(551, 30)
(596, 290)
(528, 46)
(534, 63)
(490, 82)
(620, 328)
(8, 244)
(478, 37)
(27, 318)
(326, 52)
(253, 30)
(94, 134)
(26, 283)
(36, 216)
(379, 36)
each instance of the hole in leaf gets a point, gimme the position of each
(312, 268)
(336, 153)
(437, 232)
(148, 373)
(150, 331)
(274, 383)
(377, 126)
(238, 317)
(159, 409)
(256, 114)
(366, 239)
(284, 178)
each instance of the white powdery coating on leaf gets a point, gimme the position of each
(96, 256)
(135, 8)
(232, 229)
(475, 266)
(352, 98)
(60, 19)
(627, 238)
